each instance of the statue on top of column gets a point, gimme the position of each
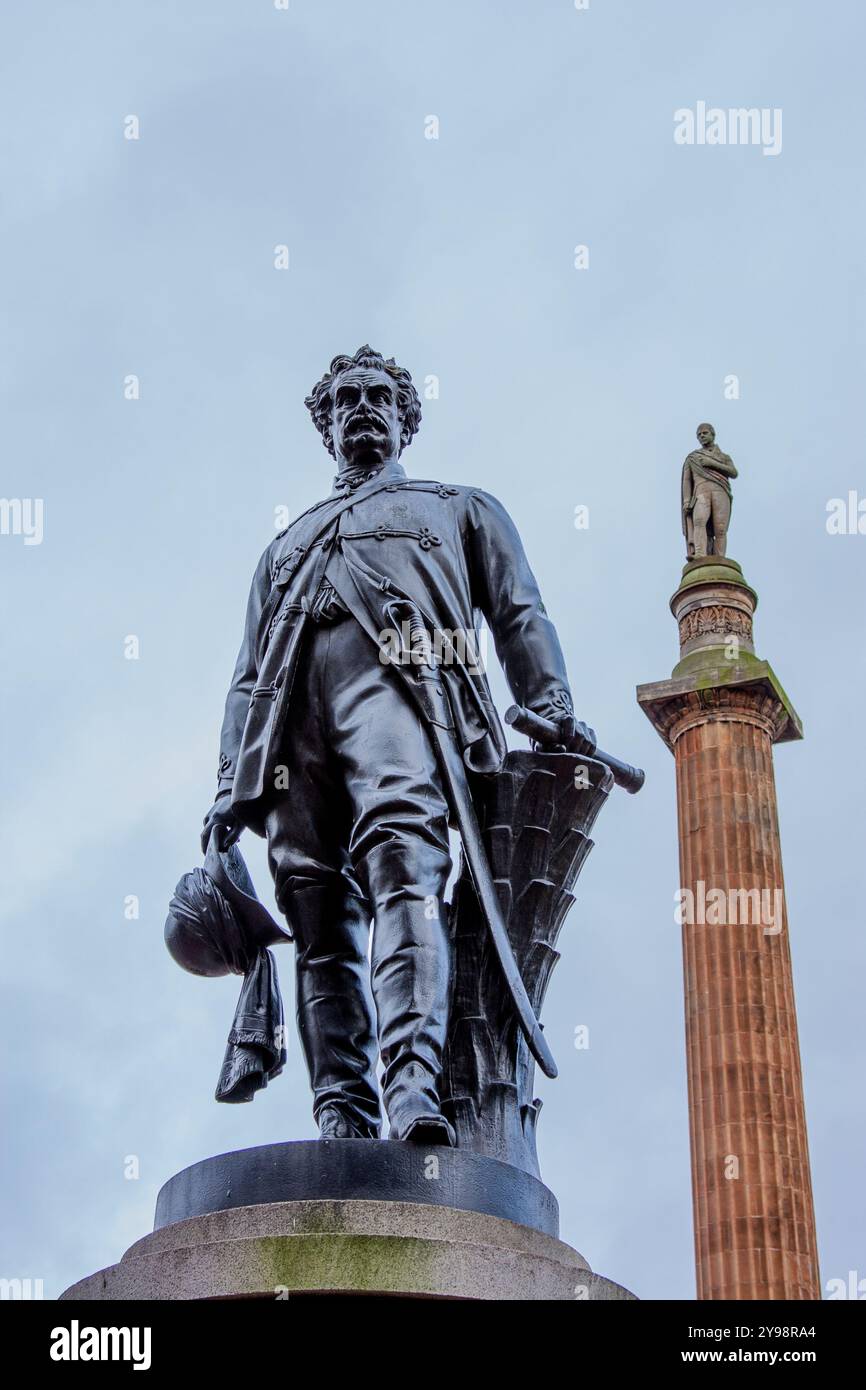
(706, 496)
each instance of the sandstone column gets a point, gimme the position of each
(720, 714)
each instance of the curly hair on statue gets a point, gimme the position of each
(320, 400)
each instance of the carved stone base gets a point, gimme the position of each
(718, 676)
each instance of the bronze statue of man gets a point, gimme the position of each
(324, 752)
(706, 496)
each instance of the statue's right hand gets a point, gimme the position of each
(221, 814)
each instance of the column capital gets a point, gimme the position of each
(746, 694)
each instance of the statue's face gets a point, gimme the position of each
(365, 417)
(706, 435)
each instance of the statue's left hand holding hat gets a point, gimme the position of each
(216, 925)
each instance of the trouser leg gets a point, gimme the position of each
(721, 517)
(307, 833)
(700, 518)
(400, 852)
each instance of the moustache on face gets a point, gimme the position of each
(359, 423)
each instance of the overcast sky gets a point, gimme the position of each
(558, 387)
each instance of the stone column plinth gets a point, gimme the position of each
(720, 714)
(351, 1216)
(292, 1249)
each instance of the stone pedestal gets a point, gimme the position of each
(378, 1218)
(720, 714)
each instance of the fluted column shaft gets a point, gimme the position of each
(751, 1188)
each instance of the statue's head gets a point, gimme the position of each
(706, 435)
(365, 408)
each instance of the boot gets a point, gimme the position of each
(335, 1010)
(411, 987)
(412, 1102)
(334, 1124)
